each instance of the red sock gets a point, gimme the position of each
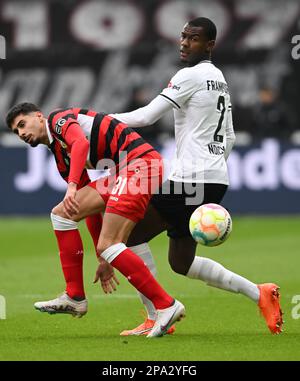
(71, 257)
(138, 274)
(94, 224)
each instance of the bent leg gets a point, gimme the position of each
(151, 226)
(181, 254)
(69, 240)
(216, 275)
(115, 232)
(90, 203)
(183, 261)
(148, 228)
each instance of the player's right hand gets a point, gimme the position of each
(106, 276)
(70, 204)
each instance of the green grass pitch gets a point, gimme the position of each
(219, 325)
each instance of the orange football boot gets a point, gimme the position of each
(269, 306)
(144, 329)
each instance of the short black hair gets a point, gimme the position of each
(208, 26)
(21, 108)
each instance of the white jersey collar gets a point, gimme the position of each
(204, 61)
(49, 133)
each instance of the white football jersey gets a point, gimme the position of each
(202, 112)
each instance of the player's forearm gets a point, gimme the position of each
(135, 118)
(79, 152)
(147, 115)
(229, 145)
(230, 135)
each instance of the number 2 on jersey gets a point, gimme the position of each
(220, 107)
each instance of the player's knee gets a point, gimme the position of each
(101, 247)
(109, 251)
(60, 223)
(104, 244)
(58, 211)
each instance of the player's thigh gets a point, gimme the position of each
(182, 252)
(115, 229)
(89, 200)
(149, 227)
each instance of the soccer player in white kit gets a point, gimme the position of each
(198, 94)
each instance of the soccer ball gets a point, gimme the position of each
(210, 224)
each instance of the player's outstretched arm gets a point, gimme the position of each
(147, 115)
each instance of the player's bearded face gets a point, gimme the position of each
(28, 128)
(194, 46)
(33, 129)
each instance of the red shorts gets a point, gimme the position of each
(129, 192)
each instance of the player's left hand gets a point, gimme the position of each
(70, 204)
(106, 276)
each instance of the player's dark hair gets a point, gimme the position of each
(208, 26)
(21, 108)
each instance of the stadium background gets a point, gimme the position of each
(114, 56)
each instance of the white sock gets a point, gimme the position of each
(144, 252)
(216, 275)
(63, 224)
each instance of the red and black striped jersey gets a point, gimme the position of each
(62, 160)
(107, 136)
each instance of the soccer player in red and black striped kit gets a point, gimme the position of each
(89, 137)
(93, 222)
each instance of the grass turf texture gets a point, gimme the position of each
(219, 325)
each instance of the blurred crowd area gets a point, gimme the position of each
(115, 56)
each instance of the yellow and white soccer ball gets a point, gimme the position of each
(210, 224)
